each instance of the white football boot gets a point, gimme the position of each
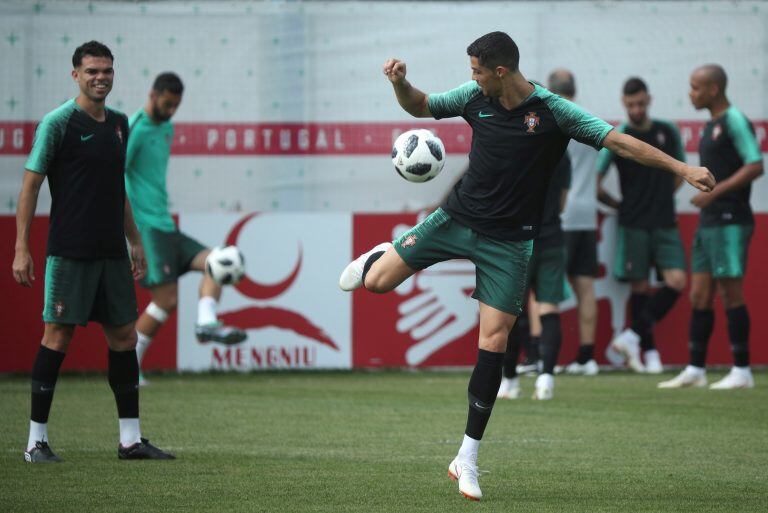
(627, 344)
(509, 388)
(352, 276)
(466, 474)
(689, 377)
(652, 361)
(589, 368)
(739, 377)
(545, 387)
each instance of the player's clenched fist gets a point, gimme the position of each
(394, 69)
(700, 177)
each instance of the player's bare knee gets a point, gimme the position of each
(58, 336)
(701, 300)
(675, 280)
(495, 341)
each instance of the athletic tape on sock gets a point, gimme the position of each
(156, 313)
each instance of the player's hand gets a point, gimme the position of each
(138, 262)
(699, 177)
(394, 69)
(23, 268)
(702, 199)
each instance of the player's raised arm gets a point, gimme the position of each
(628, 147)
(23, 268)
(413, 101)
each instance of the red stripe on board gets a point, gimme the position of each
(222, 139)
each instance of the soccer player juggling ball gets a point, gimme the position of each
(520, 132)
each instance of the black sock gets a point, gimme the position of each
(123, 377)
(646, 342)
(45, 372)
(483, 387)
(518, 333)
(702, 324)
(661, 303)
(738, 332)
(640, 321)
(369, 263)
(586, 353)
(551, 337)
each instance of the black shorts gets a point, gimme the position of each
(581, 253)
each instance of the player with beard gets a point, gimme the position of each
(520, 131)
(169, 252)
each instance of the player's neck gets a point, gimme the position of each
(515, 91)
(718, 107)
(644, 126)
(96, 110)
(148, 112)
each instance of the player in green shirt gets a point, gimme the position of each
(169, 252)
(729, 148)
(520, 131)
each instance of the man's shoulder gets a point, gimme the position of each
(61, 114)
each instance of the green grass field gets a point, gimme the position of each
(362, 442)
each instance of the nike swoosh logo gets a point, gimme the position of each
(480, 406)
(85, 137)
(43, 389)
(482, 114)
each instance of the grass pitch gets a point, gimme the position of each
(359, 442)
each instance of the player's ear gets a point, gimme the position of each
(74, 74)
(501, 71)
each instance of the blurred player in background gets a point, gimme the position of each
(719, 255)
(169, 252)
(648, 236)
(80, 147)
(546, 274)
(520, 132)
(580, 230)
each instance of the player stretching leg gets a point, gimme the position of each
(169, 252)
(719, 256)
(80, 148)
(647, 235)
(520, 132)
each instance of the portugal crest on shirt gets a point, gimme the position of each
(531, 121)
(716, 131)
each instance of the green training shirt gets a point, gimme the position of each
(647, 193)
(83, 160)
(727, 143)
(146, 167)
(512, 157)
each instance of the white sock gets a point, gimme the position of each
(468, 450)
(206, 310)
(37, 433)
(141, 345)
(129, 432)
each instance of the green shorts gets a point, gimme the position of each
(721, 250)
(168, 254)
(78, 291)
(546, 271)
(638, 250)
(500, 266)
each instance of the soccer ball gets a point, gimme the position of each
(225, 265)
(418, 155)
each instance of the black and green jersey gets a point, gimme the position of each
(727, 143)
(512, 157)
(83, 160)
(551, 233)
(647, 194)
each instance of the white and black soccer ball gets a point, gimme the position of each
(418, 155)
(225, 265)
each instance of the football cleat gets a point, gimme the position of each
(689, 377)
(509, 388)
(217, 332)
(352, 276)
(652, 361)
(41, 453)
(627, 344)
(143, 450)
(545, 387)
(466, 474)
(589, 368)
(739, 377)
(528, 366)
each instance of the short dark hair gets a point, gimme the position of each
(92, 48)
(562, 82)
(495, 49)
(634, 85)
(715, 73)
(168, 81)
